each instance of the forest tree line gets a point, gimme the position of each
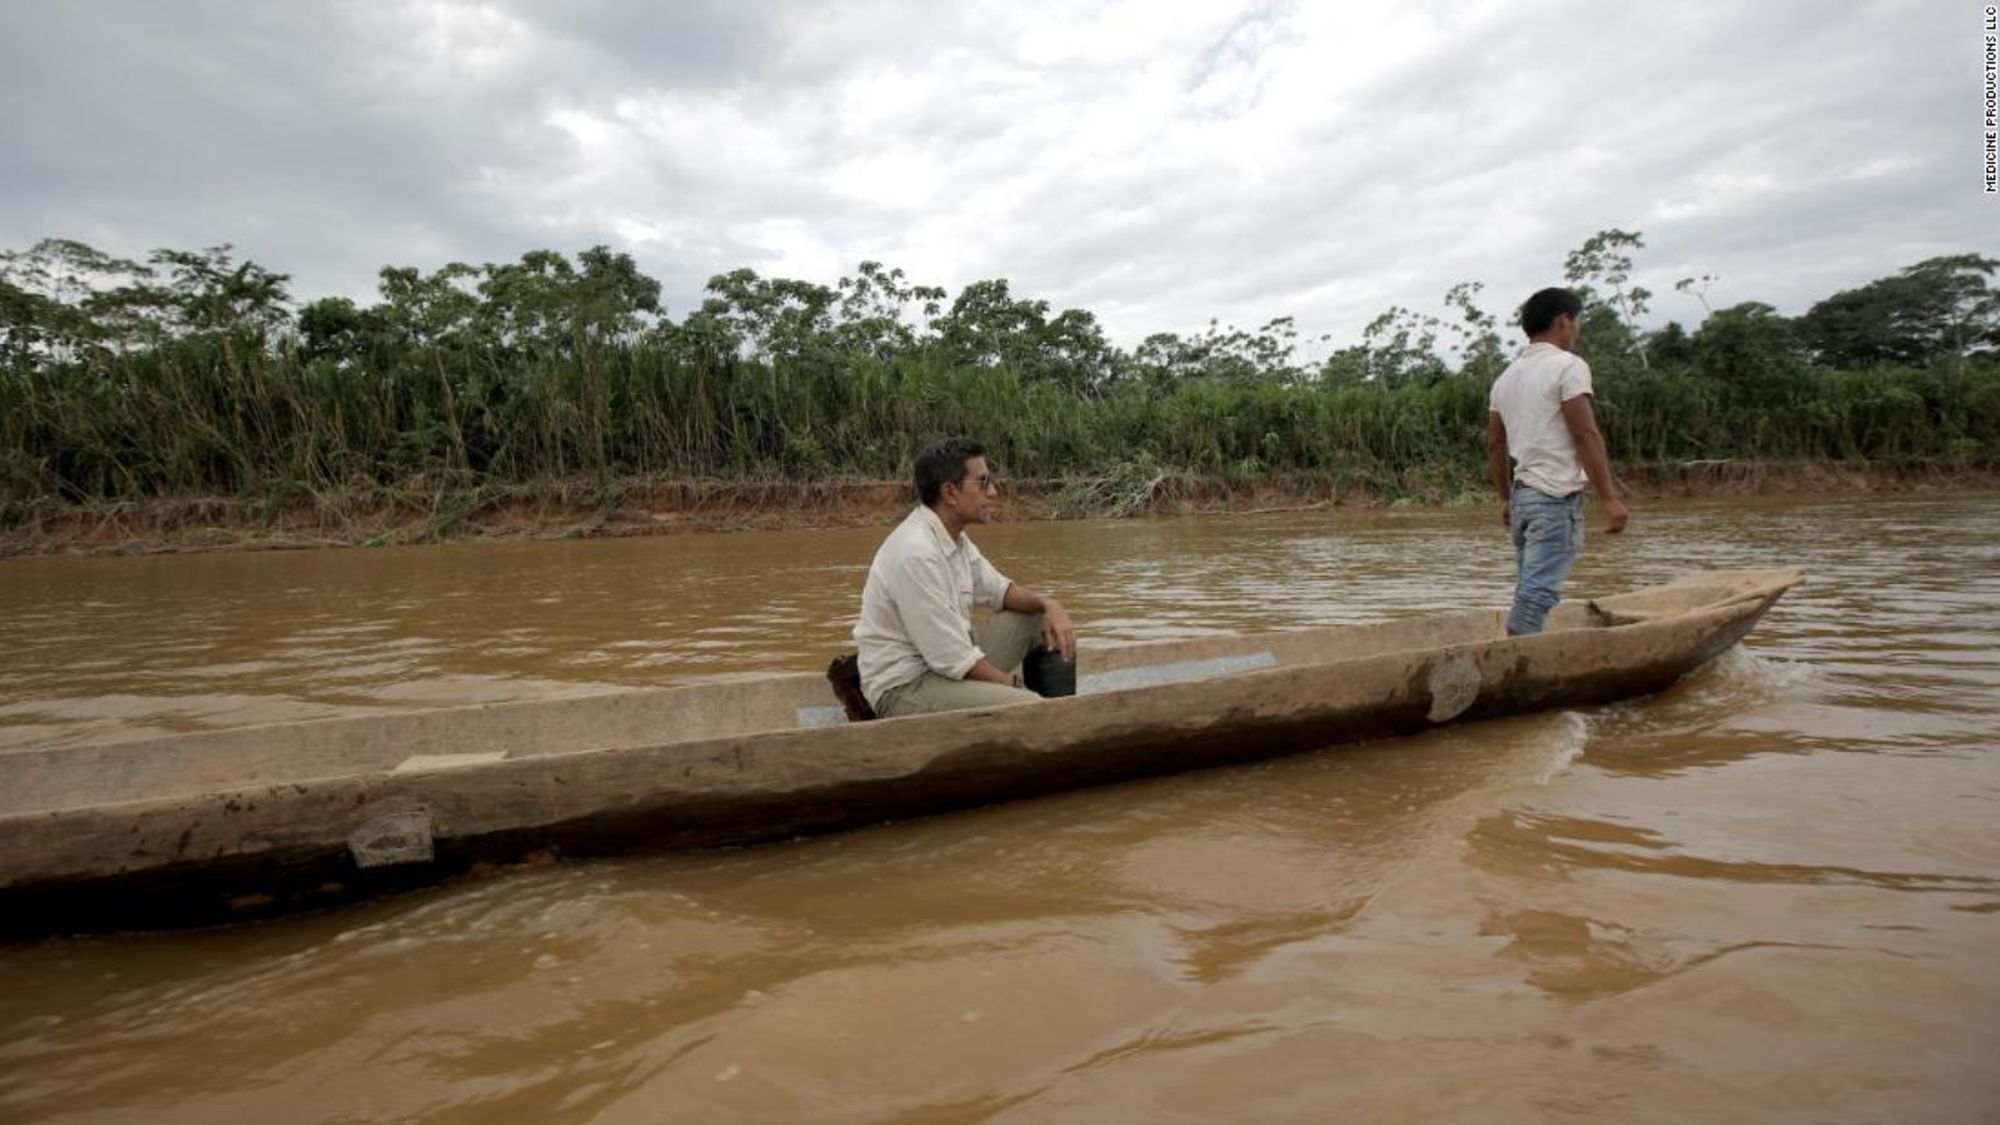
(194, 373)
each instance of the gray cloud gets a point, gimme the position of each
(1161, 167)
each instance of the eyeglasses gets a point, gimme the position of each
(985, 482)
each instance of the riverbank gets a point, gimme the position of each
(595, 509)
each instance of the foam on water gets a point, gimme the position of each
(1740, 672)
(1565, 746)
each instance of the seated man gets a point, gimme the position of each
(919, 651)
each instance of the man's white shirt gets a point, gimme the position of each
(1528, 396)
(916, 607)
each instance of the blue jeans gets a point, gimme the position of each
(1548, 537)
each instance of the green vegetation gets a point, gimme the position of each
(191, 375)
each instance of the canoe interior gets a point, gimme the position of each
(461, 737)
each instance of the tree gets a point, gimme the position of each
(1072, 352)
(430, 311)
(543, 301)
(26, 322)
(1482, 353)
(210, 291)
(336, 328)
(1397, 347)
(988, 326)
(1605, 259)
(1753, 350)
(1229, 354)
(1939, 308)
(872, 304)
(1672, 346)
(612, 298)
(770, 318)
(1697, 287)
(63, 299)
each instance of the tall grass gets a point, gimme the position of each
(226, 415)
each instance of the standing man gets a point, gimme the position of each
(1540, 416)
(919, 651)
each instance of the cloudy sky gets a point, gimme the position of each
(1160, 164)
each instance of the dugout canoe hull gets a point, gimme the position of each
(229, 825)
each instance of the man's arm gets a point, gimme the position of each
(1496, 460)
(986, 670)
(1582, 422)
(1058, 632)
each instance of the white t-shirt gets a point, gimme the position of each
(1528, 397)
(916, 607)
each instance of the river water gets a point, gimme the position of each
(1771, 894)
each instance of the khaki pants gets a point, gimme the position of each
(1006, 638)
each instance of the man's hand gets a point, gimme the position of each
(1614, 516)
(1058, 631)
(1507, 514)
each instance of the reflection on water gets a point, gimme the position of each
(1770, 893)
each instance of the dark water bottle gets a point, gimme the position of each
(1047, 674)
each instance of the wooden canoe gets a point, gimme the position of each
(231, 824)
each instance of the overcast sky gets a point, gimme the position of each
(1159, 164)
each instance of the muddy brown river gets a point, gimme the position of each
(1771, 894)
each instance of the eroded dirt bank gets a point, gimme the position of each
(583, 509)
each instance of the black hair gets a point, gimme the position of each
(944, 463)
(1539, 312)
